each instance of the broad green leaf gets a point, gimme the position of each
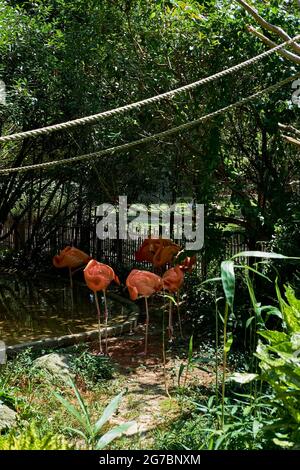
(295, 342)
(292, 299)
(220, 441)
(228, 281)
(71, 409)
(108, 412)
(271, 311)
(243, 378)
(291, 311)
(285, 351)
(256, 426)
(284, 444)
(113, 434)
(274, 337)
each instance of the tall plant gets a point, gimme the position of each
(228, 279)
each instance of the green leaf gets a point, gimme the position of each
(243, 378)
(180, 372)
(71, 409)
(76, 431)
(190, 354)
(249, 268)
(261, 254)
(271, 311)
(113, 434)
(256, 426)
(108, 412)
(170, 297)
(295, 341)
(284, 444)
(82, 405)
(212, 279)
(249, 321)
(228, 281)
(274, 337)
(290, 311)
(229, 342)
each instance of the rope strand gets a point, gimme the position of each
(139, 104)
(152, 138)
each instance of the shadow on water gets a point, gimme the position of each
(42, 308)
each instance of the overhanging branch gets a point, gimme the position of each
(268, 26)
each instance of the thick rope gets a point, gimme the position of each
(139, 104)
(152, 138)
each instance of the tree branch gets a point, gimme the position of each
(290, 129)
(268, 26)
(291, 140)
(282, 52)
(231, 220)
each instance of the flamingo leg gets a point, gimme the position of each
(164, 350)
(99, 322)
(71, 285)
(106, 321)
(179, 317)
(78, 269)
(147, 325)
(170, 326)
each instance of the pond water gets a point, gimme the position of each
(32, 309)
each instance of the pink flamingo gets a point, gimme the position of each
(172, 281)
(143, 283)
(98, 276)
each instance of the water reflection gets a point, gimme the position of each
(42, 307)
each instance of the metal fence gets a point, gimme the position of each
(110, 251)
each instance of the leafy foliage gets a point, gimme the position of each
(279, 364)
(245, 418)
(32, 439)
(91, 368)
(90, 431)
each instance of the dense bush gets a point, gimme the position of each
(90, 368)
(31, 438)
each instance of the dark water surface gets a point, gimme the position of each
(38, 308)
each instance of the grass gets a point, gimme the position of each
(31, 390)
(44, 421)
(198, 414)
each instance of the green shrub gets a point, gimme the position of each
(280, 368)
(91, 368)
(246, 419)
(90, 430)
(32, 439)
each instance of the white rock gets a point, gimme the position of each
(56, 364)
(8, 417)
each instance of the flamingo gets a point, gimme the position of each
(188, 263)
(71, 258)
(146, 250)
(158, 251)
(98, 276)
(165, 254)
(172, 281)
(143, 283)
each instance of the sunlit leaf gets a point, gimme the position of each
(114, 434)
(228, 281)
